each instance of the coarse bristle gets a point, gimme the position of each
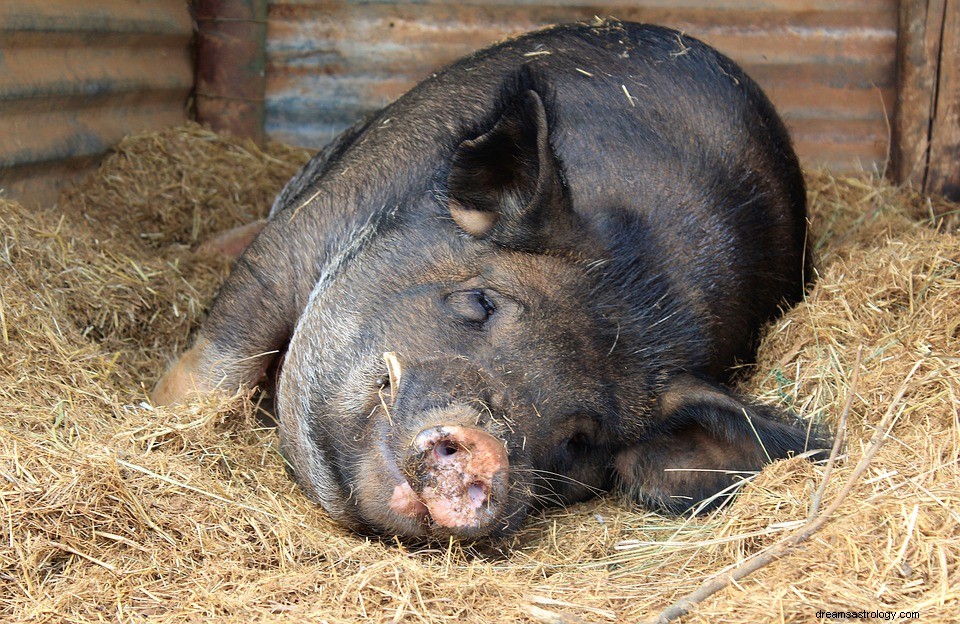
(116, 510)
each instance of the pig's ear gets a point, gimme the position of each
(704, 442)
(506, 184)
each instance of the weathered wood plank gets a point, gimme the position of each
(231, 74)
(917, 44)
(943, 171)
(926, 130)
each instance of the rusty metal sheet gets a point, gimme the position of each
(75, 77)
(829, 66)
(230, 77)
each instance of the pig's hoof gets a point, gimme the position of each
(183, 379)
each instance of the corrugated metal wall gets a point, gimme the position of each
(829, 65)
(77, 75)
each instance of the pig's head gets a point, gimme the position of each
(447, 379)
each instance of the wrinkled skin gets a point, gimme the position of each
(561, 254)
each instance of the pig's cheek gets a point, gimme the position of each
(385, 499)
(404, 502)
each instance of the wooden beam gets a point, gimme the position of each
(943, 170)
(925, 151)
(231, 65)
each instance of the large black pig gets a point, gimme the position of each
(522, 283)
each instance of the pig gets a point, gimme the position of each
(524, 282)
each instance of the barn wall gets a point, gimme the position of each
(828, 65)
(77, 75)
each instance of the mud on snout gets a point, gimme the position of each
(432, 464)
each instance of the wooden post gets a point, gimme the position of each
(943, 172)
(231, 65)
(926, 127)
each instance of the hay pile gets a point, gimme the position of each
(113, 510)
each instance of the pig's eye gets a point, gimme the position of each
(475, 306)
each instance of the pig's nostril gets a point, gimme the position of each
(446, 449)
(460, 475)
(477, 493)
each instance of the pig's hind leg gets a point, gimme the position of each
(233, 242)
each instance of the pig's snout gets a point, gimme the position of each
(456, 478)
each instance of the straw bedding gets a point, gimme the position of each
(115, 510)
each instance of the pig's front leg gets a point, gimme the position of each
(249, 324)
(253, 316)
(193, 375)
